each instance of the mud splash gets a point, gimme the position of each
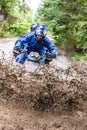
(47, 89)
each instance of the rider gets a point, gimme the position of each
(34, 42)
(31, 30)
(33, 27)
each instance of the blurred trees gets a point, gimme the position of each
(7, 6)
(67, 19)
(17, 17)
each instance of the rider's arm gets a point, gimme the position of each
(19, 42)
(22, 42)
(51, 47)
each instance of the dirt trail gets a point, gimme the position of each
(53, 97)
(15, 118)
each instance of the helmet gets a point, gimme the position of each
(40, 32)
(42, 27)
(34, 26)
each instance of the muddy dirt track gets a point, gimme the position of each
(51, 97)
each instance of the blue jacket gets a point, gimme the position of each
(30, 43)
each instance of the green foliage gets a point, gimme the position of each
(67, 19)
(4, 30)
(20, 27)
(7, 6)
(78, 57)
(85, 57)
(17, 17)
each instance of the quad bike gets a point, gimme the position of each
(33, 57)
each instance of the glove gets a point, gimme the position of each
(16, 52)
(53, 55)
(19, 51)
(49, 55)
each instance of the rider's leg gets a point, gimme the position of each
(42, 57)
(42, 61)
